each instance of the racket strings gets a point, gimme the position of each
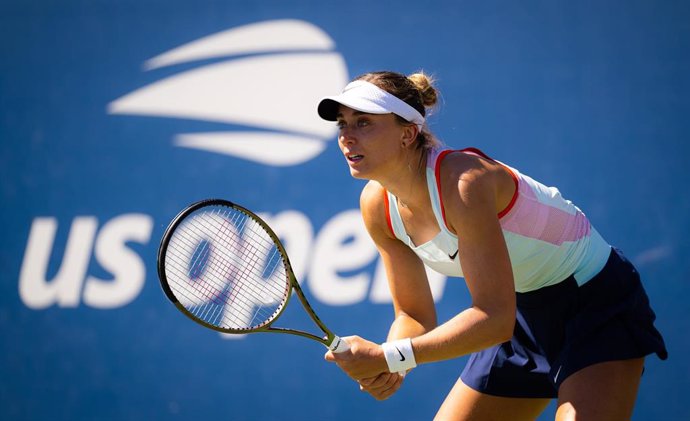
(202, 311)
(235, 273)
(250, 256)
(270, 295)
(209, 290)
(225, 267)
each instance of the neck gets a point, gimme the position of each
(408, 184)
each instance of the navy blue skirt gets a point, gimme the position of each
(564, 328)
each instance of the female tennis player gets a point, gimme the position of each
(556, 312)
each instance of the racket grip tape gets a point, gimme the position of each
(339, 345)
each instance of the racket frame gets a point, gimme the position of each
(330, 340)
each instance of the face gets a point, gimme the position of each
(371, 143)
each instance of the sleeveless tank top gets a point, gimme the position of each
(547, 236)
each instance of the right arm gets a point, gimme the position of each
(413, 304)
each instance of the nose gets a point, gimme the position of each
(345, 136)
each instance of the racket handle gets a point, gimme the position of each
(339, 345)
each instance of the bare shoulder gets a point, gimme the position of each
(372, 194)
(463, 176)
(473, 185)
(372, 206)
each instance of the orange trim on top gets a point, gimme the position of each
(388, 212)
(513, 199)
(437, 173)
(477, 152)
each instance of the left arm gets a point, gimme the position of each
(473, 195)
(471, 210)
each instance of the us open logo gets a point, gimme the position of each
(263, 80)
(274, 76)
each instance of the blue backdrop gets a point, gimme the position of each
(116, 114)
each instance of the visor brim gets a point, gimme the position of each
(328, 107)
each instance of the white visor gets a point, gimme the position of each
(368, 98)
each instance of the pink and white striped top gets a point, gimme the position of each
(548, 237)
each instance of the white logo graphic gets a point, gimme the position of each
(280, 71)
(271, 85)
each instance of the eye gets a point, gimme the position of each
(363, 122)
(340, 124)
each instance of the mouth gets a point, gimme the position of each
(354, 158)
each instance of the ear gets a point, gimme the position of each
(409, 134)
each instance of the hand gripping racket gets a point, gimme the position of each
(225, 268)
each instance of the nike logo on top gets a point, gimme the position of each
(452, 256)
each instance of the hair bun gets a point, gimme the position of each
(425, 85)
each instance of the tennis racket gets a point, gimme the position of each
(224, 267)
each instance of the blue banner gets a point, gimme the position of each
(114, 115)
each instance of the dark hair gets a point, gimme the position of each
(417, 90)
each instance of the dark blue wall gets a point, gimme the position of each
(100, 147)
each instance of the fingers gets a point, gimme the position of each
(365, 363)
(377, 381)
(382, 386)
(363, 360)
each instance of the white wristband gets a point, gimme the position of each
(399, 355)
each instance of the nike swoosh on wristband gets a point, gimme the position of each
(402, 357)
(452, 256)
